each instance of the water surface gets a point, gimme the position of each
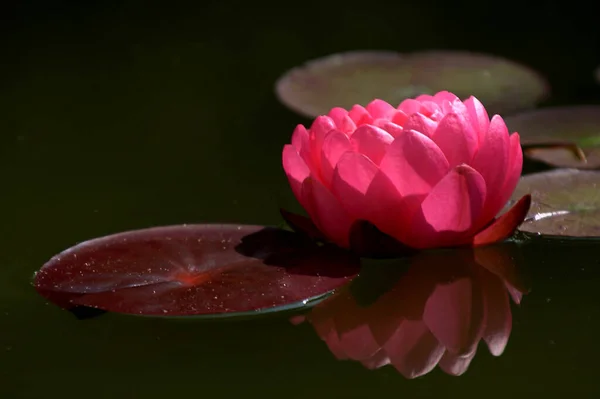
(124, 117)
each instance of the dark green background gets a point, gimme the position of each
(116, 116)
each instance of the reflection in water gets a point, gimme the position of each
(435, 314)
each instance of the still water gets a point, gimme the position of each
(124, 117)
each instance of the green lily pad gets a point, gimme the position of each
(565, 203)
(547, 133)
(345, 79)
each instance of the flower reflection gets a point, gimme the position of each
(435, 314)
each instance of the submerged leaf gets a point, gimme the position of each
(564, 202)
(561, 136)
(345, 79)
(194, 270)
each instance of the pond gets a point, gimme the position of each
(124, 117)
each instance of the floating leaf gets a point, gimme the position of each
(345, 79)
(556, 135)
(503, 86)
(435, 314)
(564, 202)
(195, 270)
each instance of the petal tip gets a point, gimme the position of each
(504, 226)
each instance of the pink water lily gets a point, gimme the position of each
(433, 172)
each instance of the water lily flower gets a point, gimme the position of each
(434, 315)
(433, 172)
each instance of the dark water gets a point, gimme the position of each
(117, 117)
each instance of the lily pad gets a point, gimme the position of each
(436, 313)
(554, 135)
(358, 77)
(564, 203)
(191, 270)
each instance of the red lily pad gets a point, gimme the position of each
(436, 313)
(564, 203)
(192, 270)
(345, 79)
(566, 137)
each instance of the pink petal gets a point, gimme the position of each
(300, 138)
(500, 261)
(454, 314)
(371, 141)
(456, 138)
(456, 365)
(380, 123)
(413, 350)
(478, 116)
(385, 317)
(414, 163)
(301, 141)
(505, 225)
(498, 319)
(335, 346)
(420, 123)
(514, 293)
(399, 118)
(351, 179)
(387, 209)
(295, 169)
(378, 360)
(358, 343)
(431, 110)
(410, 106)
(424, 97)
(491, 160)
(443, 96)
(327, 212)
(393, 129)
(334, 146)
(343, 122)
(322, 320)
(320, 127)
(453, 205)
(380, 109)
(514, 169)
(360, 115)
(446, 102)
